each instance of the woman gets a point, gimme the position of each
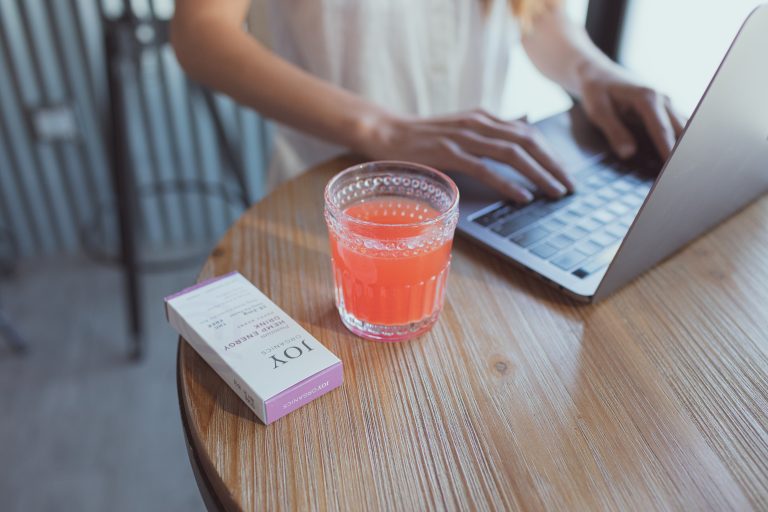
(415, 80)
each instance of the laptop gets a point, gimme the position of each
(626, 216)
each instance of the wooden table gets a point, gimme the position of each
(656, 398)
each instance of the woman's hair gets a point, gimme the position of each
(526, 11)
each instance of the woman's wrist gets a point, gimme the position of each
(373, 131)
(595, 71)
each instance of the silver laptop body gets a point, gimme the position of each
(627, 216)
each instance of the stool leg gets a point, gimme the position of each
(234, 163)
(132, 292)
(123, 189)
(13, 338)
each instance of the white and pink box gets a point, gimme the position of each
(267, 358)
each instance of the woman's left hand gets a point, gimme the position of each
(610, 95)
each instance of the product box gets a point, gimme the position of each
(267, 358)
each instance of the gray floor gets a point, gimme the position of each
(81, 428)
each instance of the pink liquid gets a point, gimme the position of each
(391, 288)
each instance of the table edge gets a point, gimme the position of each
(202, 467)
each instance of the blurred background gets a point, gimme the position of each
(117, 176)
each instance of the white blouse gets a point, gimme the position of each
(422, 57)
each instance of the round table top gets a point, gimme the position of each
(518, 398)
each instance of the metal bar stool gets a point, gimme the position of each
(126, 37)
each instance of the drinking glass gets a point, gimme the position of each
(391, 227)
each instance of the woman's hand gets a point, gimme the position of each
(459, 142)
(610, 96)
(562, 50)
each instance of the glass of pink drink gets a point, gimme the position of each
(391, 228)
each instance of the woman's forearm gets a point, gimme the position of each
(564, 53)
(213, 49)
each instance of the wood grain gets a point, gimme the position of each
(654, 399)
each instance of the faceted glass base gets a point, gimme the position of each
(386, 333)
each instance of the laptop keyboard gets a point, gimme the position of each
(579, 233)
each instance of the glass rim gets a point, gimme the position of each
(339, 214)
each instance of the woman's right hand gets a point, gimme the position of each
(459, 142)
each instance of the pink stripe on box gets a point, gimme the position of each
(304, 392)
